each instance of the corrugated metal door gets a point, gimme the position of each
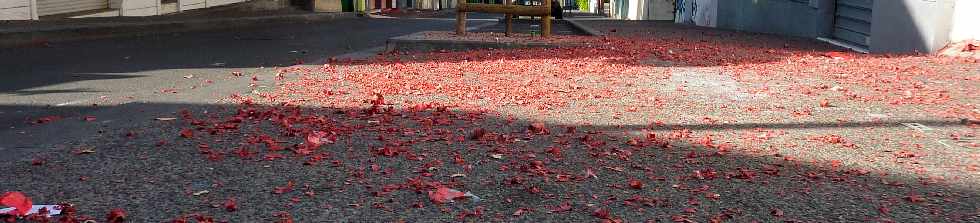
(53, 7)
(853, 21)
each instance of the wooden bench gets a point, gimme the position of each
(510, 10)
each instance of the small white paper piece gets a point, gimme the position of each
(472, 196)
(52, 210)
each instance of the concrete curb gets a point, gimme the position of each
(575, 24)
(408, 44)
(12, 38)
(584, 28)
(404, 45)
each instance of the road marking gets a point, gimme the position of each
(940, 141)
(72, 102)
(963, 141)
(918, 127)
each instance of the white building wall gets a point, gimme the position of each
(140, 8)
(426, 4)
(966, 21)
(327, 6)
(183, 5)
(697, 12)
(615, 11)
(213, 3)
(707, 13)
(636, 10)
(27, 9)
(17, 10)
(660, 10)
(640, 9)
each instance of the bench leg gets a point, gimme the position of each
(546, 26)
(460, 23)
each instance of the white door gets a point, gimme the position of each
(54, 7)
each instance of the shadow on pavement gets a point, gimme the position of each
(377, 163)
(132, 57)
(35, 67)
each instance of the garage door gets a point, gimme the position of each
(53, 7)
(853, 22)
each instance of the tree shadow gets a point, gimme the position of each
(378, 163)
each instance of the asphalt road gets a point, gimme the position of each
(108, 79)
(612, 137)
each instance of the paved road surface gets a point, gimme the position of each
(108, 79)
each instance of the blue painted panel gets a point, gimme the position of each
(785, 17)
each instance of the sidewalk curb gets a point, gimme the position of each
(415, 45)
(13, 38)
(584, 28)
(412, 43)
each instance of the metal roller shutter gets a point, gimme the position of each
(53, 7)
(853, 21)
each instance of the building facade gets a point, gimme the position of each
(639, 9)
(879, 26)
(431, 4)
(35, 9)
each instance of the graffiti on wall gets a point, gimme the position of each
(697, 12)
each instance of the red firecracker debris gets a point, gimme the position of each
(21, 203)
